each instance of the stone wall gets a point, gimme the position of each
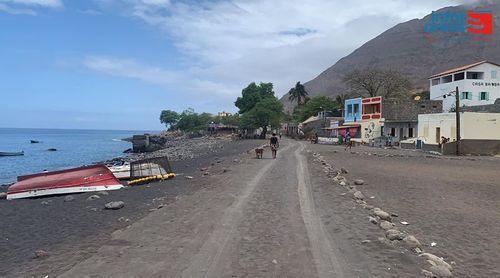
(407, 110)
(474, 147)
(489, 108)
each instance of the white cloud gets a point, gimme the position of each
(42, 3)
(232, 43)
(26, 7)
(17, 11)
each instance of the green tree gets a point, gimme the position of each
(315, 105)
(267, 112)
(169, 118)
(298, 93)
(189, 121)
(252, 94)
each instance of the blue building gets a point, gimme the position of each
(352, 110)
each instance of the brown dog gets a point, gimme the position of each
(259, 152)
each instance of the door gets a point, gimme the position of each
(410, 132)
(438, 135)
(401, 133)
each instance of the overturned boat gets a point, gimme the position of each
(11, 153)
(75, 180)
(120, 171)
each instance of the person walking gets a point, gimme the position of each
(273, 142)
(347, 140)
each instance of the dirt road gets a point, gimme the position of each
(260, 221)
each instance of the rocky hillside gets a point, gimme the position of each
(405, 48)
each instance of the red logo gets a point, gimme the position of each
(480, 23)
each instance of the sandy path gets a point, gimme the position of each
(260, 221)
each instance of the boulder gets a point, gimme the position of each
(382, 214)
(436, 260)
(440, 271)
(412, 242)
(69, 198)
(393, 234)
(359, 182)
(386, 225)
(93, 197)
(114, 205)
(358, 195)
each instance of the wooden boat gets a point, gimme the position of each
(81, 179)
(120, 171)
(34, 141)
(11, 153)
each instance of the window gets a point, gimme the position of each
(484, 96)
(447, 79)
(459, 76)
(436, 81)
(493, 74)
(356, 108)
(475, 75)
(466, 95)
(349, 109)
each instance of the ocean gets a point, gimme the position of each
(74, 148)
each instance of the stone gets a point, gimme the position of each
(69, 198)
(440, 271)
(342, 183)
(386, 225)
(359, 182)
(93, 197)
(427, 273)
(373, 220)
(393, 214)
(344, 170)
(41, 254)
(436, 260)
(3, 195)
(382, 214)
(103, 193)
(412, 242)
(114, 205)
(393, 234)
(358, 195)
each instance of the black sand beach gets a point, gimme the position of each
(72, 231)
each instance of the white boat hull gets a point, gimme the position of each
(64, 190)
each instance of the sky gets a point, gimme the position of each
(115, 64)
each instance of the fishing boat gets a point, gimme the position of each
(120, 171)
(75, 180)
(11, 153)
(34, 141)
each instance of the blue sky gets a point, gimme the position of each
(114, 64)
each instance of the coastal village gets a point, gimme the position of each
(362, 171)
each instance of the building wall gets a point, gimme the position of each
(370, 130)
(488, 84)
(352, 117)
(484, 126)
(401, 129)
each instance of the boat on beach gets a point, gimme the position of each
(120, 171)
(75, 180)
(11, 153)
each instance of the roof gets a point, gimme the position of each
(462, 68)
(310, 119)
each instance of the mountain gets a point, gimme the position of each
(405, 48)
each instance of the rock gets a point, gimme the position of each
(123, 219)
(93, 197)
(103, 193)
(382, 214)
(393, 214)
(366, 241)
(412, 242)
(358, 195)
(41, 254)
(393, 234)
(370, 207)
(3, 195)
(69, 198)
(386, 225)
(427, 273)
(204, 169)
(436, 260)
(342, 183)
(440, 271)
(359, 182)
(344, 170)
(160, 206)
(114, 205)
(373, 220)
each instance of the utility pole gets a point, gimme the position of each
(457, 116)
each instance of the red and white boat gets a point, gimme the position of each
(81, 179)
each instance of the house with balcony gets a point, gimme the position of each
(478, 84)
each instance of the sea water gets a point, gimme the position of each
(74, 148)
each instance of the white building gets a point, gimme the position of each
(478, 84)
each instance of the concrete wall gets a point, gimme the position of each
(475, 86)
(484, 126)
(370, 130)
(474, 147)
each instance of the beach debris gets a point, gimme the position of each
(114, 205)
(344, 170)
(404, 223)
(358, 195)
(394, 234)
(386, 225)
(382, 214)
(69, 198)
(93, 197)
(433, 244)
(412, 242)
(3, 195)
(41, 253)
(359, 182)
(103, 193)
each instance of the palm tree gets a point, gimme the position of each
(297, 93)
